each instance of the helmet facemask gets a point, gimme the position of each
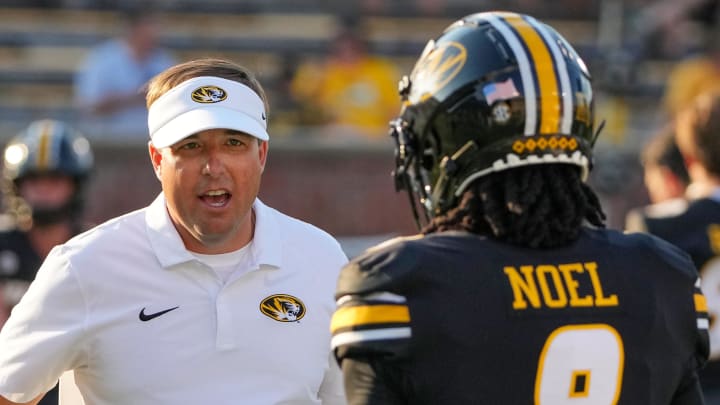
(409, 173)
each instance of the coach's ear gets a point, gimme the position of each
(155, 159)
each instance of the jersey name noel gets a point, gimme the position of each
(557, 286)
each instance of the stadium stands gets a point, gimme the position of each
(40, 47)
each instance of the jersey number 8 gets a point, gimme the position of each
(580, 364)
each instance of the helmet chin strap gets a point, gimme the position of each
(449, 168)
(596, 135)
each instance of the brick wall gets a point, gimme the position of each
(344, 188)
(346, 191)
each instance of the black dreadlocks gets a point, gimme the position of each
(535, 206)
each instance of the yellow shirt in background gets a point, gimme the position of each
(361, 96)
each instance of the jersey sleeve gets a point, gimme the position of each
(331, 390)
(689, 392)
(371, 382)
(373, 315)
(689, 283)
(42, 337)
(703, 323)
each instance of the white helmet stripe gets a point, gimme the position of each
(565, 89)
(526, 74)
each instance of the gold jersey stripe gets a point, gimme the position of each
(369, 314)
(544, 68)
(43, 154)
(700, 303)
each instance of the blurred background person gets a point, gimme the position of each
(353, 92)
(45, 170)
(696, 229)
(665, 178)
(109, 84)
(690, 30)
(694, 75)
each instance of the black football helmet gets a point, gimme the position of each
(49, 147)
(494, 91)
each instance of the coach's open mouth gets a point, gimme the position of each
(216, 198)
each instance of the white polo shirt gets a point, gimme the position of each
(141, 321)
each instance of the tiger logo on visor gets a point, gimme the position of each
(283, 308)
(208, 94)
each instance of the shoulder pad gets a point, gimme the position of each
(379, 267)
(373, 315)
(666, 252)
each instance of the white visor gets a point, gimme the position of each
(203, 103)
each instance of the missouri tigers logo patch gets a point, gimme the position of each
(208, 94)
(283, 308)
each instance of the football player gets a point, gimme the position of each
(514, 292)
(696, 229)
(45, 170)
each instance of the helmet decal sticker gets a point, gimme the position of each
(500, 91)
(439, 67)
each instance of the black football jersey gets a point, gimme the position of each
(457, 318)
(696, 230)
(18, 265)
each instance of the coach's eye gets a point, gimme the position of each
(190, 145)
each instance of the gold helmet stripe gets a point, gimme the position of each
(544, 68)
(42, 159)
(566, 92)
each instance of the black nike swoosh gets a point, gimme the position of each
(146, 317)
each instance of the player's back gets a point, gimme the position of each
(461, 319)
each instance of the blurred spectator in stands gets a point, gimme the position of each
(352, 92)
(693, 76)
(668, 29)
(109, 85)
(699, 68)
(666, 179)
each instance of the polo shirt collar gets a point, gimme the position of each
(170, 250)
(267, 241)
